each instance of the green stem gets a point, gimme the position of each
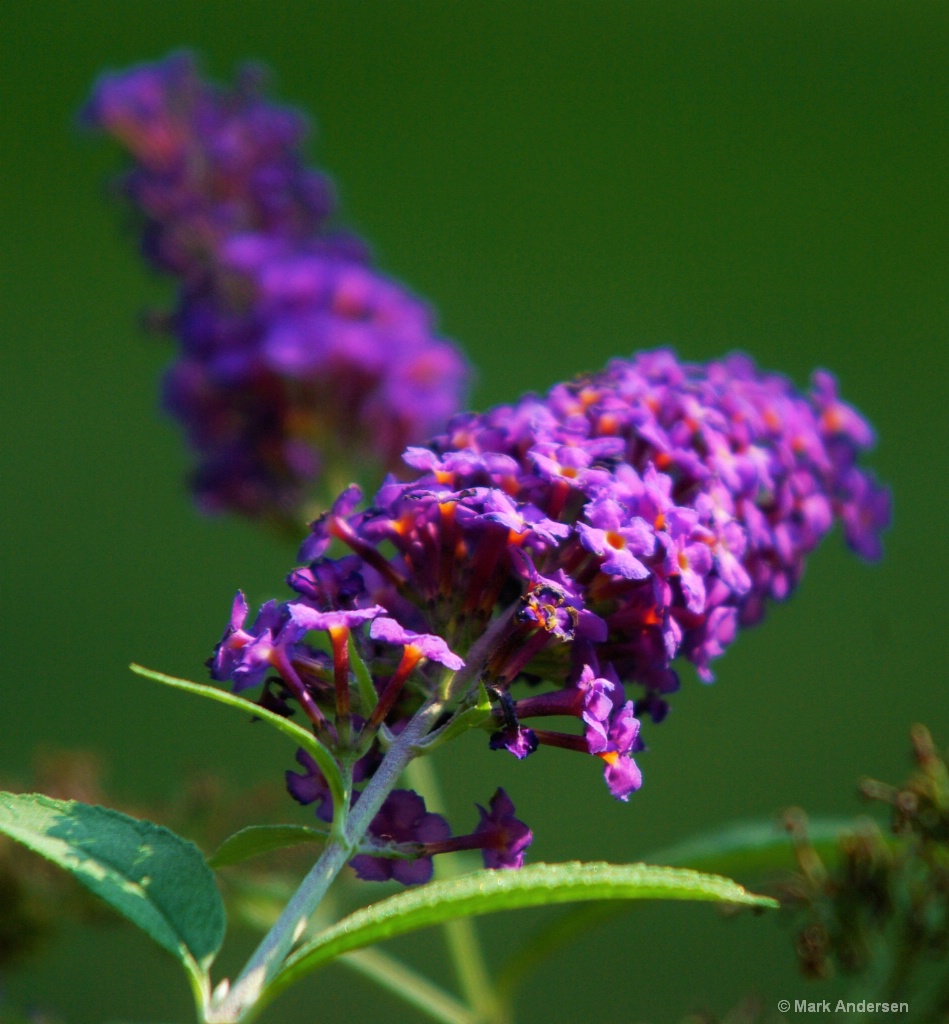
(459, 682)
(462, 934)
(410, 986)
(259, 906)
(239, 1001)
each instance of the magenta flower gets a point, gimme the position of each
(687, 556)
(613, 740)
(865, 513)
(516, 740)
(308, 618)
(596, 708)
(245, 656)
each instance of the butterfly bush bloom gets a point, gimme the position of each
(568, 549)
(292, 345)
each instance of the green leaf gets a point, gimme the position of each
(746, 849)
(256, 840)
(299, 735)
(751, 848)
(486, 892)
(151, 876)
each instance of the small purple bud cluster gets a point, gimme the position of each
(580, 542)
(501, 838)
(292, 346)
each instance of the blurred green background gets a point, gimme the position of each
(566, 182)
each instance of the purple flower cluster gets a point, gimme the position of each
(692, 494)
(403, 834)
(577, 543)
(294, 349)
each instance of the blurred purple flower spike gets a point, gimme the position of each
(297, 357)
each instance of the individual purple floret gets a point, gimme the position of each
(622, 774)
(611, 729)
(610, 532)
(296, 355)
(499, 835)
(516, 740)
(505, 838)
(574, 549)
(421, 645)
(310, 787)
(245, 656)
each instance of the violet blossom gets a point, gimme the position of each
(505, 837)
(598, 536)
(295, 352)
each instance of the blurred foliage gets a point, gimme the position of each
(881, 910)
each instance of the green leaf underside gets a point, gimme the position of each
(486, 892)
(298, 734)
(154, 878)
(751, 848)
(256, 840)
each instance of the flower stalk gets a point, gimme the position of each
(243, 997)
(461, 935)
